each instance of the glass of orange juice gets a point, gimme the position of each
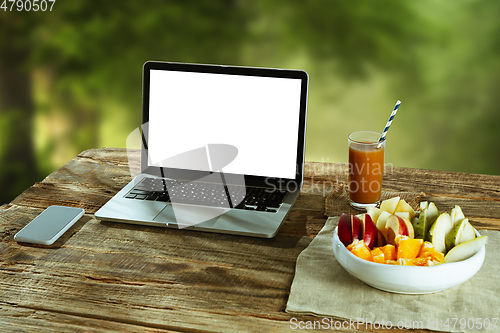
(366, 168)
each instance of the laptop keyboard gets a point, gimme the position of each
(207, 194)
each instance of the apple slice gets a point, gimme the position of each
(381, 222)
(396, 226)
(357, 231)
(409, 228)
(465, 250)
(349, 229)
(374, 212)
(345, 229)
(456, 215)
(404, 215)
(403, 206)
(370, 231)
(381, 241)
(439, 230)
(389, 205)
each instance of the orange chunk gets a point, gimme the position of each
(399, 238)
(428, 251)
(378, 255)
(389, 251)
(360, 250)
(426, 248)
(405, 262)
(420, 261)
(409, 248)
(436, 256)
(409, 252)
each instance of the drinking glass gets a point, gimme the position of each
(366, 168)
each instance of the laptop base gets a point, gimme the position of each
(226, 221)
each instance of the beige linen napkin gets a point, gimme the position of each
(321, 287)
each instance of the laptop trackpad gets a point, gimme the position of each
(189, 215)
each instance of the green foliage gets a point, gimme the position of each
(81, 65)
(355, 33)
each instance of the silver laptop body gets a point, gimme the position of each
(222, 149)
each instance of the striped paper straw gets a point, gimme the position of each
(389, 122)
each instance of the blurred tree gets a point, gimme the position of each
(17, 167)
(91, 52)
(355, 34)
(478, 136)
(460, 107)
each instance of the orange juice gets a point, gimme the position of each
(366, 170)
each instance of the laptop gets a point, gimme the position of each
(222, 149)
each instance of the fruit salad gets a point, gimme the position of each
(395, 234)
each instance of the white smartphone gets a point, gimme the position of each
(51, 224)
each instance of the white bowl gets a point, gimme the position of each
(407, 279)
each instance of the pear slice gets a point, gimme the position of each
(389, 205)
(453, 237)
(439, 230)
(456, 215)
(432, 213)
(465, 250)
(419, 224)
(428, 215)
(418, 234)
(468, 233)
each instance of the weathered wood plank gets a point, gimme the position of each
(96, 179)
(396, 178)
(146, 272)
(125, 277)
(227, 282)
(453, 184)
(17, 319)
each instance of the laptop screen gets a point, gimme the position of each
(259, 115)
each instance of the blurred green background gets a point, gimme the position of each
(70, 78)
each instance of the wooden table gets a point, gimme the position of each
(103, 276)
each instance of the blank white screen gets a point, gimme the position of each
(258, 115)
